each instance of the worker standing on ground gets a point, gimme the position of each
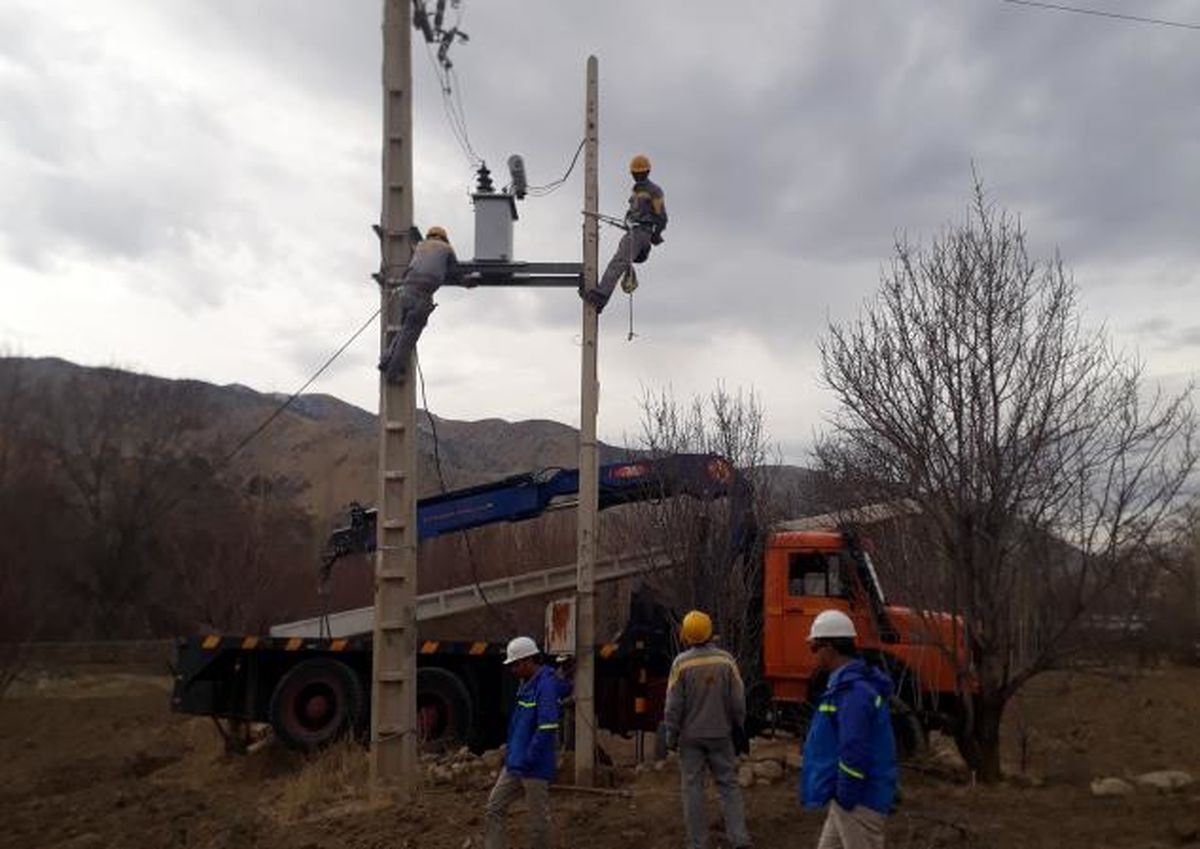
(850, 753)
(706, 702)
(530, 761)
(646, 219)
(433, 263)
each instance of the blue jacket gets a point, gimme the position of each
(533, 728)
(850, 753)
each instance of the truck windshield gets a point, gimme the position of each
(815, 573)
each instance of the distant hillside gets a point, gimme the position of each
(326, 450)
(226, 543)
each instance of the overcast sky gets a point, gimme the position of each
(187, 188)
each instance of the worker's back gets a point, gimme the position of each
(705, 696)
(433, 262)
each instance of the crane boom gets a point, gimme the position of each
(522, 497)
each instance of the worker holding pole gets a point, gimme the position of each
(433, 263)
(645, 221)
(706, 706)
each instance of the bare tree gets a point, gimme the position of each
(708, 536)
(26, 532)
(120, 444)
(1041, 463)
(1173, 624)
(242, 557)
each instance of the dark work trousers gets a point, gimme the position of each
(416, 303)
(696, 757)
(634, 244)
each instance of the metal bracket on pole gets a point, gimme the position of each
(543, 274)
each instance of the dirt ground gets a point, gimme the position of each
(92, 758)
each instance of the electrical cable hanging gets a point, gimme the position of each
(542, 191)
(455, 120)
(507, 621)
(1099, 13)
(434, 33)
(175, 501)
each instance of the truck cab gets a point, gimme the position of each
(810, 571)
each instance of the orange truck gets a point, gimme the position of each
(309, 679)
(808, 571)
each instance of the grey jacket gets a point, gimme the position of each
(705, 695)
(647, 206)
(433, 263)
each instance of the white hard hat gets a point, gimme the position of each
(832, 625)
(520, 648)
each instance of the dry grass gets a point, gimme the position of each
(328, 779)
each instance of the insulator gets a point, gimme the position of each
(483, 180)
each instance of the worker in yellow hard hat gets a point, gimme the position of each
(645, 221)
(433, 263)
(706, 707)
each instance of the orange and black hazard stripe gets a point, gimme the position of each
(252, 642)
(476, 648)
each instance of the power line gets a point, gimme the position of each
(506, 620)
(175, 501)
(456, 117)
(1103, 14)
(542, 191)
(439, 40)
(278, 410)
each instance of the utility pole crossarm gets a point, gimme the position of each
(544, 274)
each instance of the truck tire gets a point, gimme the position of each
(316, 703)
(445, 712)
(912, 740)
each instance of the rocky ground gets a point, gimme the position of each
(92, 758)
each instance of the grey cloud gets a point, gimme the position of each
(792, 144)
(1189, 336)
(864, 126)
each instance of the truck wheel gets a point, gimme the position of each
(315, 703)
(444, 712)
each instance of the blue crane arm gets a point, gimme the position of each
(524, 496)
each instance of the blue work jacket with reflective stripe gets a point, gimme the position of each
(533, 728)
(850, 753)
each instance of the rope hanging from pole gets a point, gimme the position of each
(629, 281)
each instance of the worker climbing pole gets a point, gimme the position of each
(433, 263)
(644, 223)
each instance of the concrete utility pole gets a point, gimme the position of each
(589, 472)
(394, 689)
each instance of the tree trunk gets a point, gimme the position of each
(979, 739)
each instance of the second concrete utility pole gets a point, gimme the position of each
(589, 483)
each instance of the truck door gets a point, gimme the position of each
(816, 581)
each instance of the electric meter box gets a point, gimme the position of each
(494, 217)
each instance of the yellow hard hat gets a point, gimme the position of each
(697, 628)
(640, 164)
(437, 232)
